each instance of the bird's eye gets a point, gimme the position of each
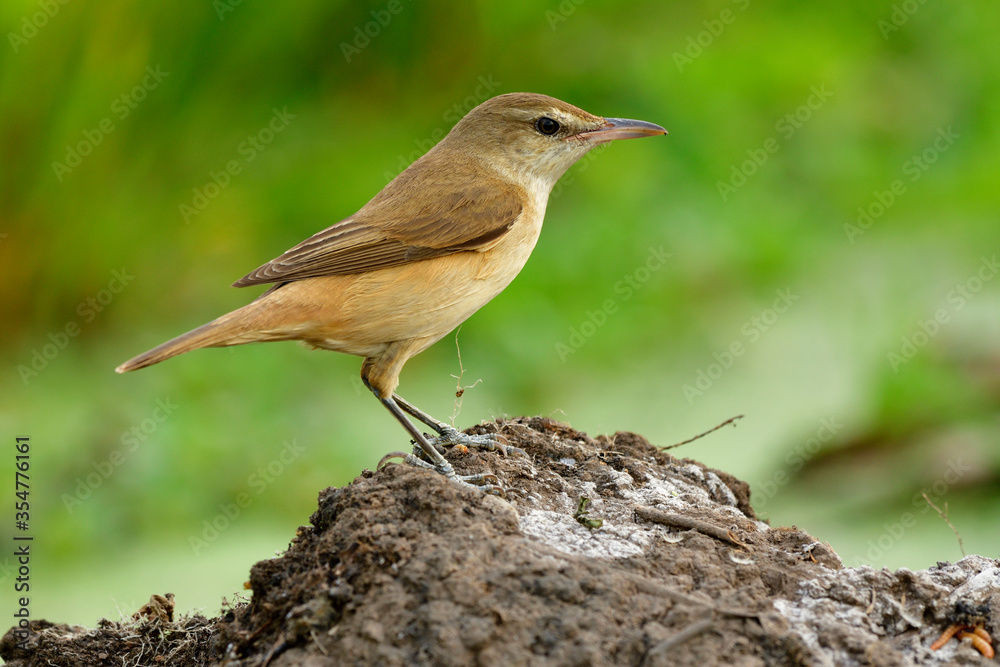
(547, 126)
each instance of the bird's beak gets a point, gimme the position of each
(620, 128)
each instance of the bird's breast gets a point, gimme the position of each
(502, 260)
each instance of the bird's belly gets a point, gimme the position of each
(360, 314)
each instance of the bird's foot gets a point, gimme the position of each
(485, 481)
(488, 442)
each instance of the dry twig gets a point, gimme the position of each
(686, 522)
(459, 389)
(944, 515)
(731, 420)
(687, 633)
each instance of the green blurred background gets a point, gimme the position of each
(863, 346)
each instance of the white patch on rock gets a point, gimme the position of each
(614, 499)
(832, 605)
(561, 531)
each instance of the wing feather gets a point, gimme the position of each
(459, 218)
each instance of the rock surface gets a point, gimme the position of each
(665, 565)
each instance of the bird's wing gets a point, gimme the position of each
(378, 237)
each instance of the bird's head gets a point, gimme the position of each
(530, 136)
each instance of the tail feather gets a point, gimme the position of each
(217, 333)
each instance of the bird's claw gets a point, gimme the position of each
(486, 482)
(391, 455)
(488, 442)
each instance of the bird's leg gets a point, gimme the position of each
(381, 375)
(448, 435)
(437, 462)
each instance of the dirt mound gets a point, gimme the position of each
(664, 563)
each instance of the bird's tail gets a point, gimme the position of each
(221, 332)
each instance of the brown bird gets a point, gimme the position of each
(435, 245)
